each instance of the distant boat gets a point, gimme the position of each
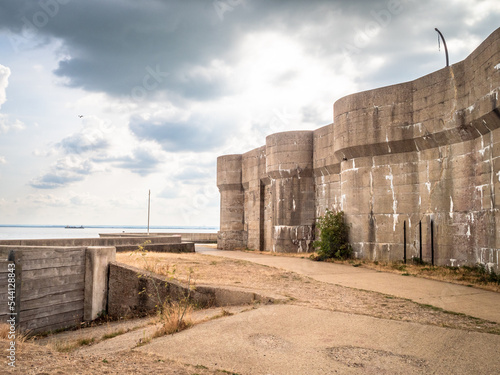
(72, 227)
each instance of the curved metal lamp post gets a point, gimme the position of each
(445, 48)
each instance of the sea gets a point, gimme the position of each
(11, 232)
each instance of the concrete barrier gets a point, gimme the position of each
(97, 260)
(185, 237)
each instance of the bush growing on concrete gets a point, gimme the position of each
(333, 242)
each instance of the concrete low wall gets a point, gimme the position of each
(102, 241)
(130, 295)
(186, 237)
(184, 247)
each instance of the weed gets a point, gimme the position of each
(333, 237)
(113, 334)
(417, 260)
(85, 341)
(144, 340)
(399, 267)
(174, 317)
(6, 334)
(224, 312)
(405, 274)
(105, 360)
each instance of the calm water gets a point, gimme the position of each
(24, 232)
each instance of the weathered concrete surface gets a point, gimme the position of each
(50, 284)
(298, 340)
(416, 152)
(232, 234)
(470, 301)
(97, 260)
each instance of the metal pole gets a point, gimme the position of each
(149, 208)
(420, 242)
(404, 240)
(432, 242)
(445, 48)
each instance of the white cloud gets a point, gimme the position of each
(6, 124)
(3, 160)
(4, 82)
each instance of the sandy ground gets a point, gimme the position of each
(120, 355)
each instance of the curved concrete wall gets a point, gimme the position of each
(413, 152)
(420, 150)
(289, 165)
(229, 177)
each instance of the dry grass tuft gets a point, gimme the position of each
(67, 346)
(5, 334)
(175, 317)
(4, 331)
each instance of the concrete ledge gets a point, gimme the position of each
(185, 247)
(97, 261)
(135, 292)
(102, 241)
(185, 237)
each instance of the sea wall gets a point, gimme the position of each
(404, 155)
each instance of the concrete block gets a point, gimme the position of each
(97, 260)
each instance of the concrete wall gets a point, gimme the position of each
(135, 292)
(420, 150)
(56, 287)
(52, 284)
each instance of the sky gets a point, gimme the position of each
(102, 101)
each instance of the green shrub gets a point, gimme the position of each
(333, 242)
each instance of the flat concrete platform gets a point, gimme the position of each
(452, 297)
(287, 339)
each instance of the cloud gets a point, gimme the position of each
(4, 82)
(6, 124)
(192, 134)
(193, 175)
(142, 161)
(80, 143)
(3, 160)
(116, 46)
(64, 172)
